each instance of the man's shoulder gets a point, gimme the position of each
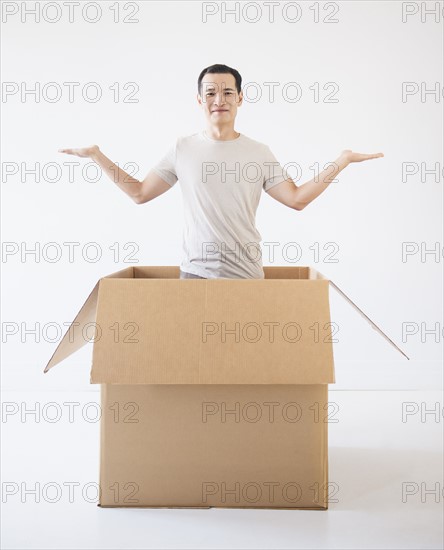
(189, 138)
(255, 142)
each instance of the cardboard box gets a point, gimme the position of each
(214, 392)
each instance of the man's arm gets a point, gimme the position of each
(139, 191)
(151, 187)
(298, 198)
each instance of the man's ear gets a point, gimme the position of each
(199, 99)
(241, 97)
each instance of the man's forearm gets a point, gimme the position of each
(308, 191)
(127, 183)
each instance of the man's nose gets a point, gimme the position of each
(219, 99)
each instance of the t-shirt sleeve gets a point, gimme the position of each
(166, 166)
(274, 173)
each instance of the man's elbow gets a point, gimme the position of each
(298, 204)
(139, 199)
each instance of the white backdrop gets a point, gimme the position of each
(350, 76)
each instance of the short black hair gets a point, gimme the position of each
(220, 69)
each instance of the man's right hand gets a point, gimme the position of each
(84, 152)
(139, 191)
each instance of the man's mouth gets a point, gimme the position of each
(220, 111)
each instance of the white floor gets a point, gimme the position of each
(373, 455)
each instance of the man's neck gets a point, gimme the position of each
(221, 134)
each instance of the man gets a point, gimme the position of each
(222, 174)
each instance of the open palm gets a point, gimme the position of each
(350, 156)
(84, 152)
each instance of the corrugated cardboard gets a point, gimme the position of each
(214, 392)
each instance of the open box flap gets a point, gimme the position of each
(73, 339)
(317, 274)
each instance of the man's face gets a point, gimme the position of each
(219, 99)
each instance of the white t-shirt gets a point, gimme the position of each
(221, 184)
